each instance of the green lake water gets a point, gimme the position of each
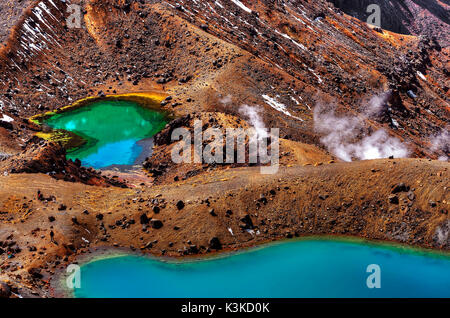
(116, 132)
(307, 268)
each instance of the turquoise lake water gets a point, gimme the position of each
(309, 268)
(113, 131)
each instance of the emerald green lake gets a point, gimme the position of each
(309, 268)
(117, 133)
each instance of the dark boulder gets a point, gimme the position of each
(5, 290)
(247, 222)
(180, 205)
(35, 273)
(401, 187)
(156, 224)
(393, 199)
(193, 249)
(215, 244)
(144, 219)
(7, 125)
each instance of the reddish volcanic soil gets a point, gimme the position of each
(211, 58)
(298, 54)
(404, 201)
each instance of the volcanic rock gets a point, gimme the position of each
(156, 224)
(180, 205)
(5, 290)
(215, 244)
(393, 199)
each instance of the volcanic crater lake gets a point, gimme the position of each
(116, 132)
(304, 268)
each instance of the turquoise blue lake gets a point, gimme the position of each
(116, 132)
(305, 268)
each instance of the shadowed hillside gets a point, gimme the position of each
(427, 17)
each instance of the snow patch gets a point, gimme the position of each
(420, 74)
(279, 106)
(7, 119)
(314, 73)
(241, 5)
(301, 46)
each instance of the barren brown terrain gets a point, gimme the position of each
(209, 59)
(403, 201)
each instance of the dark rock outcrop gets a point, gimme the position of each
(41, 156)
(215, 243)
(5, 290)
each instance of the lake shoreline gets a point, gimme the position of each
(104, 253)
(116, 133)
(72, 141)
(295, 207)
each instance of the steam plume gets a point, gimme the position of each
(341, 135)
(441, 143)
(255, 119)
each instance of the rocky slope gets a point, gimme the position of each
(283, 57)
(11, 12)
(417, 17)
(40, 156)
(337, 88)
(51, 222)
